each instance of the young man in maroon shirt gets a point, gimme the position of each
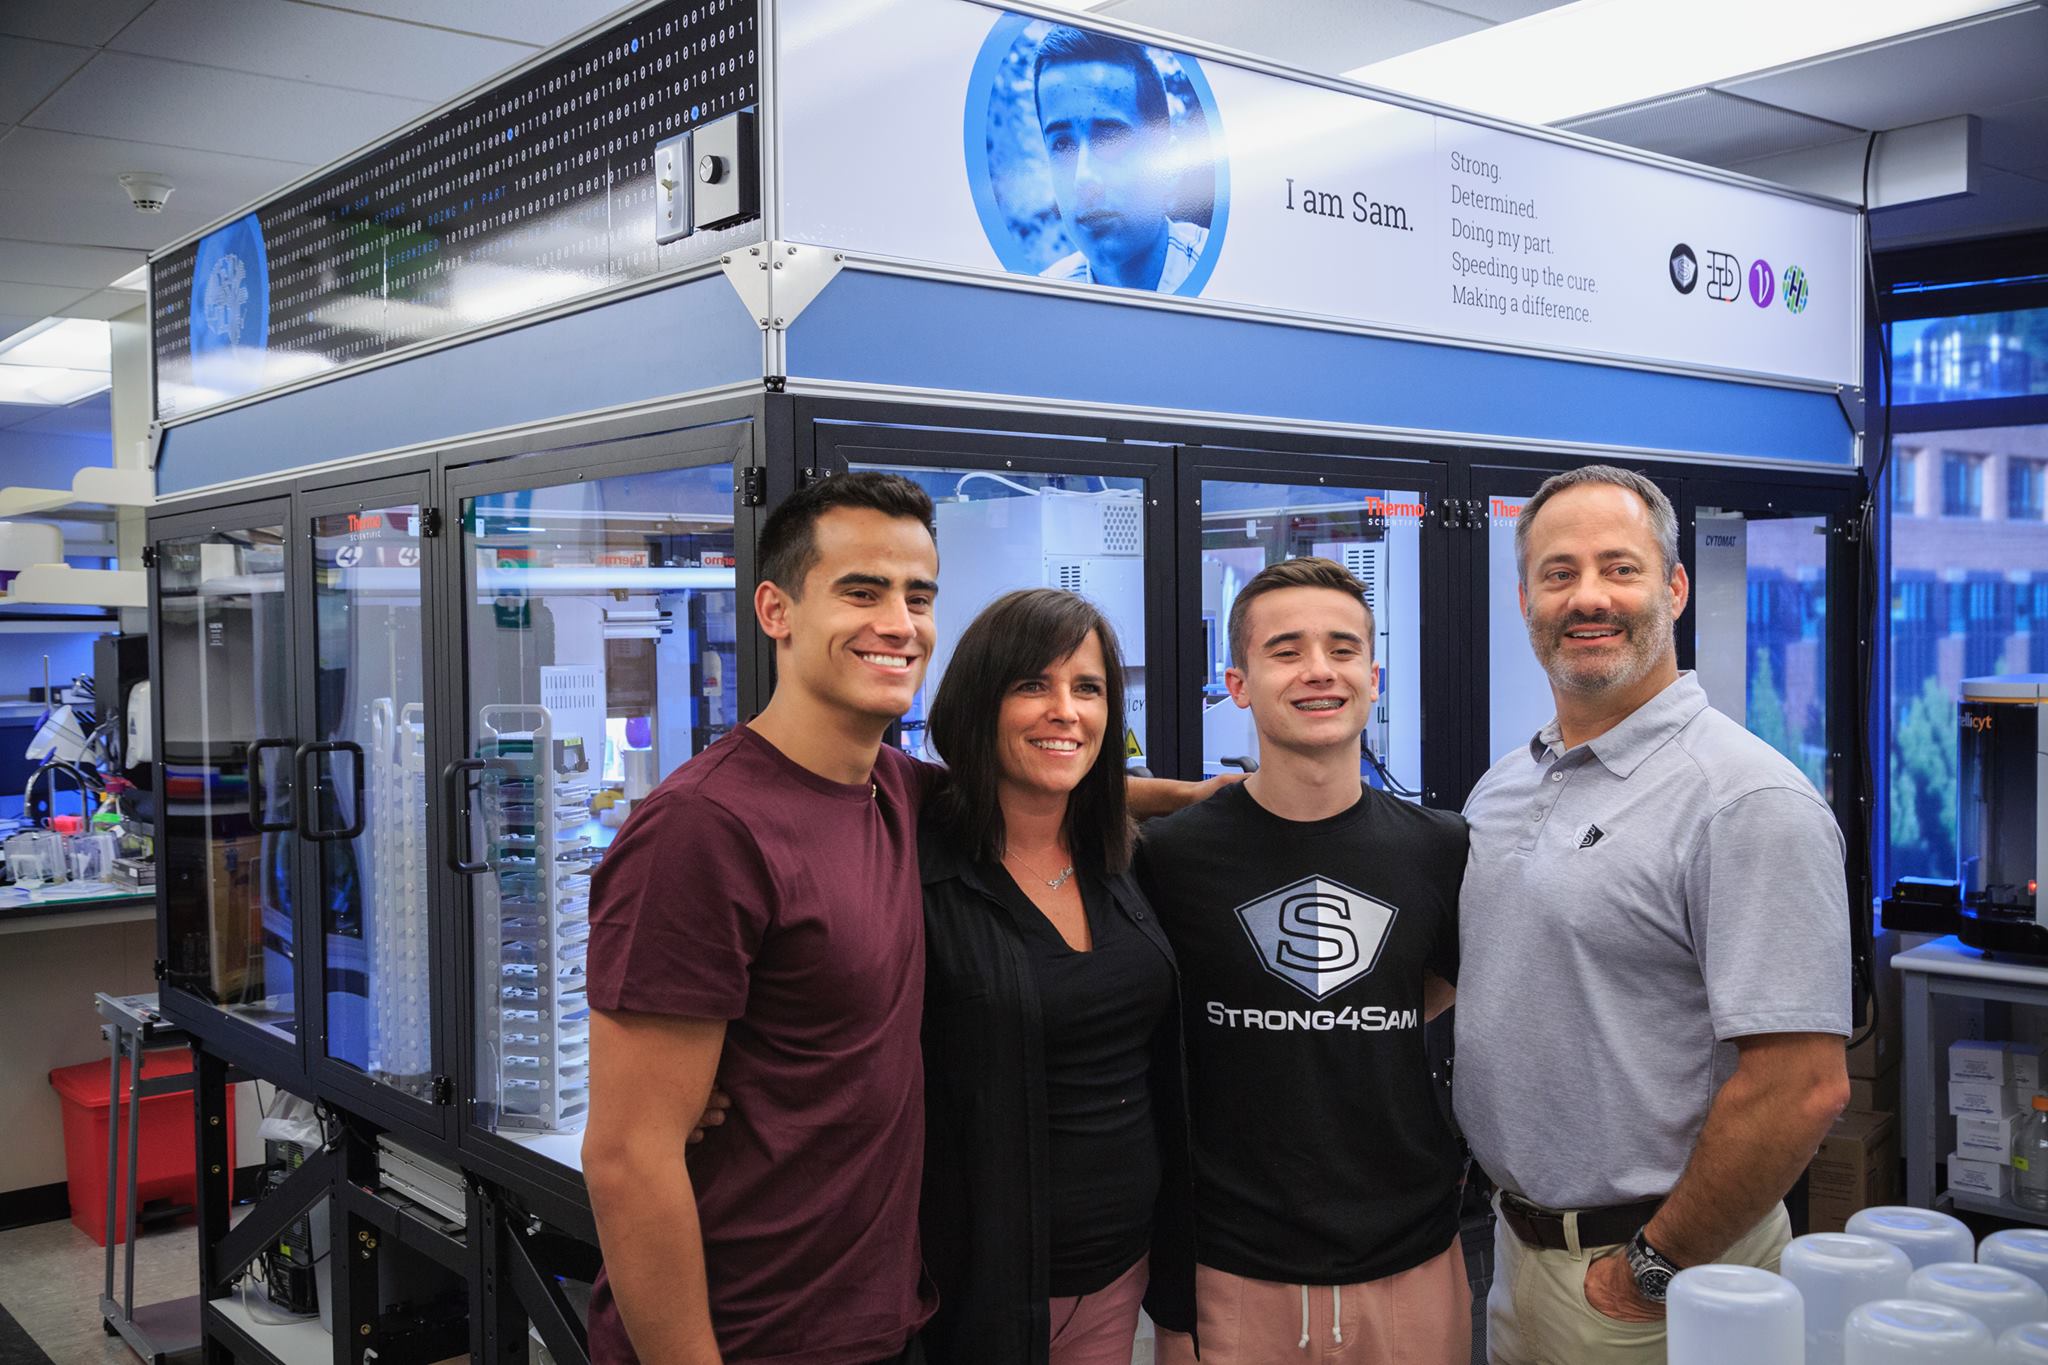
(758, 921)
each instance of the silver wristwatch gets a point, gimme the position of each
(1650, 1269)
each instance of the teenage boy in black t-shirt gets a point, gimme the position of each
(1308, 912)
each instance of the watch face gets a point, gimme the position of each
(1652, 1283)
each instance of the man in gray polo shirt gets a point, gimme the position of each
(1655, 939)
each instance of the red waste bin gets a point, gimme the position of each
(168, 1144)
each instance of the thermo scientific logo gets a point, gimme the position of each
(1794, 287)
(1685, 268)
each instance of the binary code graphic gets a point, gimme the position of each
(531, 194)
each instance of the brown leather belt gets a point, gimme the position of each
(1541, 1227)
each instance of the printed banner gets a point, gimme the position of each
(1019, 144)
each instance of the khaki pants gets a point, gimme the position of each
(1421, 1316)
(1537, 1313)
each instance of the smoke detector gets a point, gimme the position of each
(146, 191)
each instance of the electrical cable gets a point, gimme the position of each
(1876, 591)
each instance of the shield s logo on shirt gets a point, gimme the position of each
(1591, 835)
(1317, 935)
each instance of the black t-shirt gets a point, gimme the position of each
(1321, 1154)
(1100, 1010)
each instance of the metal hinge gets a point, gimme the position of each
(753, 486)
(149, 556)
(160, 969)
(444, 1090)
(430, 522)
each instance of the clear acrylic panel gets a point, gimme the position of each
(1518, 702)
(1000, 531)
(365, 780)
(602, 652)
(226, 750)
(1377, 534)
(1759, 609)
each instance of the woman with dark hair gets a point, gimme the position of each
(1049, 992)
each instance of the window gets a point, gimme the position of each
(1966, 599)
(1905, 478)
(1956, 359)
(2025, 483)
(1962, 484)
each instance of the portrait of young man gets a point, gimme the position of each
(1103, 113)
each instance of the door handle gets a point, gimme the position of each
(455, 790)
(258, 798)
(305, 818)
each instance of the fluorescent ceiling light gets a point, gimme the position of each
(48, 387)
(1594, 55)
(60, 343)
(136, 280)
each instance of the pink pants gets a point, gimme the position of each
(1421, 1316)
(1098, 1328)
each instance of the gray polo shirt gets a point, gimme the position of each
(1630, 907)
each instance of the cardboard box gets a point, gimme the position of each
(1987, 1139)
(1986, 1178)
(1979, 1059)
(1856, 1167)
(1875, 1095)
(1981, 1099)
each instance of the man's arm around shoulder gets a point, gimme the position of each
(650, 1076)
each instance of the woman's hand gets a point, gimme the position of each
(715, 1108)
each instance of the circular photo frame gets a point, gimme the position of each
(1095, 159)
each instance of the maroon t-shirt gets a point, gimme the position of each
(748, 888)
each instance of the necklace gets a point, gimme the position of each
(1052, 883)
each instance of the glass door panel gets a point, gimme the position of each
(364, 806)
(600, 618)
(1377, 534)
(1518, 701)
(1760, 621)
(224, 622)
(1000, 531)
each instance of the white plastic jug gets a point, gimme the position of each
(2021, 1249)
(1911, 1332)
(1925, 1236)
(1836, 1274)
(1997, 1297)
(1719, 1313)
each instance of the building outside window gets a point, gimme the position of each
(2025, 483)
(1962, 484)
(1905, 480)
(1968, 596)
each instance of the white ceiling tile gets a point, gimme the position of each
(1706, 126)
(2016, 136)
(88, 23)
(89, 417)
(1312, 34)
(542, 23)
(37, 300)
(1499, 11)
(327, 46)
(107, 303)
(78, 199)
(84, 266)
(2003, 203)
(1980, 65)
(10, 323)
(141, 99)
(30, 70)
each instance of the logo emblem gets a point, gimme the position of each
(1724, 277)
(1793, 286)
(1685, 268)
(226, 302)
(1763, 284)
(1591, 835)
(1317, 935)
